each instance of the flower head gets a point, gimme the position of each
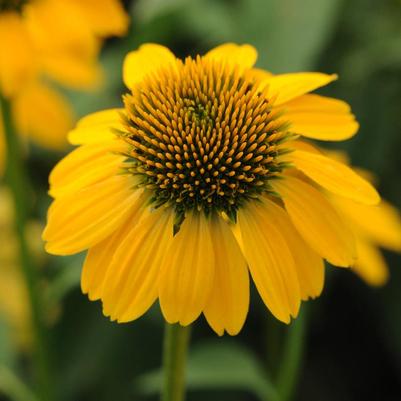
(200, 179)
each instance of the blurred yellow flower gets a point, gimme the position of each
(57, 39)
(199, 180)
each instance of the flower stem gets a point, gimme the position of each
(291, 359)
(176, 339)
(18, 182)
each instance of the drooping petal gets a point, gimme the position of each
(187, 272)
(99, 256)
(285, 87)
(17, 63)
(334, 176)
(320, 117)
(80, 220)
(243, 56)
(105, 18)
(270, 261)
(228, 302)
(96, 127)
(133, 276)
(43, 115)
(381, 223)
(147, 59)
(317, 221)
(370, 265)
(308, 264)
(85, 166)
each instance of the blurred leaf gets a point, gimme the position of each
(289, 34)
(13, 387)
(146, 10)
(380, 54)
(218, 366)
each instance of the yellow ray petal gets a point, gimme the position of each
(316, 103)
(67, 47)
(44, 115)
(285, 87)
(80, 220)
(370, 265)
(17, 63)
(146, 60)
(73, 71)
(96, 127)
(187, 272)
(228, 302)
(51, 31)
(320, 117)
(317, 221)
(85, 166)
(309, 265)
(381, 223)
(270, 261)
(334, 176)
(133, 277)
(105, 18)
(243, 56)
(99, 256)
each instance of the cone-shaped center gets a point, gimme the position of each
(203, 136)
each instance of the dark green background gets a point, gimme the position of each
(353, 339)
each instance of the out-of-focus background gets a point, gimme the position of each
(352, 348)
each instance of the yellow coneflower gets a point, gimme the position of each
(60, 39)
(201, 179)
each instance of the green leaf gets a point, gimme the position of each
(218, 365)
(289, 35)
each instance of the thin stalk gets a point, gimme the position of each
(176, 339)
(291, 358)
(18, 183)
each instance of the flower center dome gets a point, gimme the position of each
(203, 136)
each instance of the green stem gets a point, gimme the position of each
(19, 185)
(274, 333)
(176, 339)
(291, 359)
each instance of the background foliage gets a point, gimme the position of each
(352, 345)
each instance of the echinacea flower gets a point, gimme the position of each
(200, 180)
(57, 39)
